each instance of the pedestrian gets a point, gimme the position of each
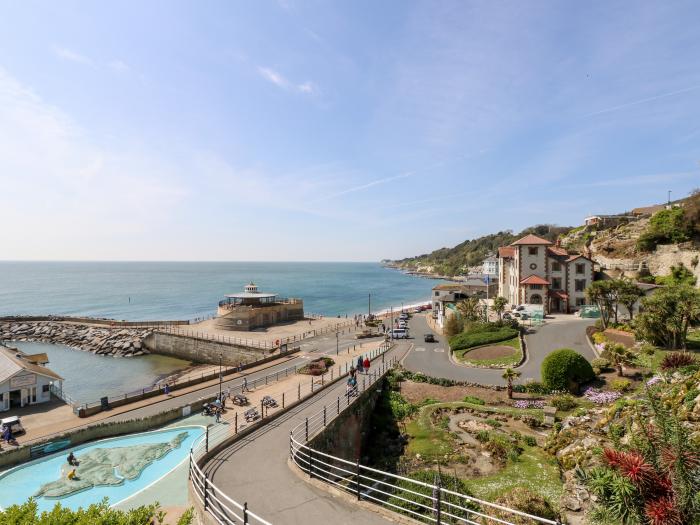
(218, 415)
(353, 371)
(166, 389)
(359, 364)
(366, 364)
(228, 392)
(245, 385)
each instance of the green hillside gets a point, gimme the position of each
(450, 261)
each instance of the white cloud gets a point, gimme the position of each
(119, 66)
(274, 77)
(308, 87)
(71, 56)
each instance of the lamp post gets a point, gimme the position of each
(220, 375)
(337, 343)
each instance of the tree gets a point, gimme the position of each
(469, 308)
(453, 325)
(603, 294)
(628, 294)
(618, 355)
(510, 375)
(667, 315)
(499, 306)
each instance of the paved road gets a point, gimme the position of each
(255, 470)
(321, 345)
(434, 358)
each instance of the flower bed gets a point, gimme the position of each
(600, 397)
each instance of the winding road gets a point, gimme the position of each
(433, 359)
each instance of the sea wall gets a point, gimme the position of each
(123, 342)
(201, 350)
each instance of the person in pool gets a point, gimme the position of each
(72, 461)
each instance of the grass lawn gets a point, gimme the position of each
(506, 361)
(693, 341)
(535, 470)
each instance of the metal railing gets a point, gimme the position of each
(430, 503)
(224, 509)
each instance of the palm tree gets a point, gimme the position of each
(509, 375)
(499, 306)
(618, 355)
(469, 308)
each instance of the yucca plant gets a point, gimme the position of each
(677, 360)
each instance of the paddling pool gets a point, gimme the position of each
(23, 481)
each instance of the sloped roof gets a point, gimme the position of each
(557, 250)
(506, 252)
(577, 256)
(531, 239)
(534, 279)
(38, 359)
(10, 365)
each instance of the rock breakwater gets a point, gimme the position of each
(117, 342)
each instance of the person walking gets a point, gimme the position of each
(353, 371)
(245, 384)
(359, 364)
(166, 389)
(365, 365)
(218, 415)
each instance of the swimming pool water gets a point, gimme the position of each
(19, 483)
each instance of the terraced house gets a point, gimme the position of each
(532, 270)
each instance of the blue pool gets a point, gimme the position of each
(131, 463)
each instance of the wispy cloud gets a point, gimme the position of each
(273, 77)
(364, 186)
(118, 66)
(308, 87)
(643, 101)
(71, 56)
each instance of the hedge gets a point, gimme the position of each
(565, 369)
(482, 337)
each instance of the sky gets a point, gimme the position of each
(324, 131)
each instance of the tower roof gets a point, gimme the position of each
(531, 239)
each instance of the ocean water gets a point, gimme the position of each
(187, 290)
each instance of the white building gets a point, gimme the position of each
(490, 266)
(24, 380)
(534, 271)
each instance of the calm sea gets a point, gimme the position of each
(186, 290)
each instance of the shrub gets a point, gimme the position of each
(526, 501)
(400, 408)
(621, 385)
(428, 401)
(530, 441)
(482, 436)
(535, 387)
(474, 400)
(599, 338)
(471, 339)
(565, 369)
(601, 363)
(454, 325)
(677, 360)
(493, 423)
(564, 402)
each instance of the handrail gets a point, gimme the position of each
(215, 502)
(363, 481)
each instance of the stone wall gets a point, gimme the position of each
(202, 350)
(346, 436)
(246, 318)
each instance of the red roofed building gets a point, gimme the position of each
(532, 270)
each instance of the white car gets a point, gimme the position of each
(14, 423)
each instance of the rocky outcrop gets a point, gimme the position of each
(118, 342)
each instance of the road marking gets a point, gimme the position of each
(438, 350)
(419, 349)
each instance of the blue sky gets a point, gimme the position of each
(334, 130)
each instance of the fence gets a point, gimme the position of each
(252, 343)
(221, 507)
(426, 502)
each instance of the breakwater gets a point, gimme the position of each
(117, 342)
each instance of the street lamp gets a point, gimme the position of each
(337, 343)
(220, 376)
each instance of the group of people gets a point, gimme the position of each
(362, 365)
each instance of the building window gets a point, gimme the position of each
(45, 388)
(580, 269)
(580, 301)
(556, 267)
(556, 283)
(532, 250)
(535, 287)
(580, 285)
(536, 299)
(437, 294)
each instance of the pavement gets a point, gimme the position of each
(255, 470)
(434, 358)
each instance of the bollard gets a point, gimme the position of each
(338, 411)
(298, 391)
(324, 415)
(306, 424)
(245, 513)
(207, 439)
(322, 375)
(312, 385)
(331, 374)
(282, 399)
(262, 410)
(235, 424)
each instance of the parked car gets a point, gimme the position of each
(14, 423)
(429, 338)
(507, 315)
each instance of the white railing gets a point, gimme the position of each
(223, 509)
(430, 503)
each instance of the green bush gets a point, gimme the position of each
(530, 441)
(601, 363)
(665, 227)
(621, 385)
(482, 337)
(483, 436)
(564, 402)
(400, 408)
(565, 369)
(493, 423)
(474, 400)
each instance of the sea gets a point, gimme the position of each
(140, 291)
